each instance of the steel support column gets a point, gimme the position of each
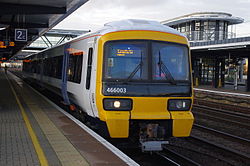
(217, 30)
(192, 24)
(223, 72)
(216, 73)
(195, 65)
(248, 76)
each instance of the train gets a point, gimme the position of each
(130, 79)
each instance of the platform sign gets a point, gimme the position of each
(21, 35)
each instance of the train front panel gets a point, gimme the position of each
(144, 85)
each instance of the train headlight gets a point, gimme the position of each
(117, 104)
(179, 104)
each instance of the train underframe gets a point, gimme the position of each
(152, 134)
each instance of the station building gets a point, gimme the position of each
(205, 26)
(219, 57)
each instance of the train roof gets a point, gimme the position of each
(136, 24)
(124, 25)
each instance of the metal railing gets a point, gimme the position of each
(208, 35)
(214, 42)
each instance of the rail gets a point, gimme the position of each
(218, 146)
(224, 134)
(176, 158)
(227, 112)
(222, 119)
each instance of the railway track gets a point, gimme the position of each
(237, 139)
(237, 155)
(238, 144)
(224, 111)
(177, 158)
(228, 118)
(224, 106)
(203, 152)
(222, 116)
(209, 153)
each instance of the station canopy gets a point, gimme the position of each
(23, 21)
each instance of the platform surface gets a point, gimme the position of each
(33, 132)
(226, 88)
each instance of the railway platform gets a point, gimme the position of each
(35, 132)
(227, 88)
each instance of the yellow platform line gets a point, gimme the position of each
(39, 151)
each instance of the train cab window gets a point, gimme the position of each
(126, 60)
(89, 68)
(146, 61)
(170, 61)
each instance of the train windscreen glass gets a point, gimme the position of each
(149, 61)
(170, 62)
(126, 60)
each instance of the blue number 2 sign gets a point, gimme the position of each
(20, 34)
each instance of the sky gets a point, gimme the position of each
(95, 13)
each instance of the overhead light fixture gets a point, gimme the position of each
(2, 28)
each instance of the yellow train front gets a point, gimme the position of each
(144, 84)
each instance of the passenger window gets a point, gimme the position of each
(89, 67)
(75, 67)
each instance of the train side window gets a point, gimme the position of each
(59, 67)
(45, 69)
(78, 68)
(50, 67)
(33, 66)
(89, 68)
(39, 67)
(75, 67)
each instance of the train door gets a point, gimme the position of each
(90, 87)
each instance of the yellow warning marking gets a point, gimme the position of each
(39, 151)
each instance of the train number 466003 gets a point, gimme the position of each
(116, 90)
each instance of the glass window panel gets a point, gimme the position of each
(146, 61)
(172, 57)
(221, 25)
(126, 58)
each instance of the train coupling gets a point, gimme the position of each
(152, 137)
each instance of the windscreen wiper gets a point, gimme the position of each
(163, 68)
(135, 70)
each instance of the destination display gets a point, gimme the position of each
(122, 52)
